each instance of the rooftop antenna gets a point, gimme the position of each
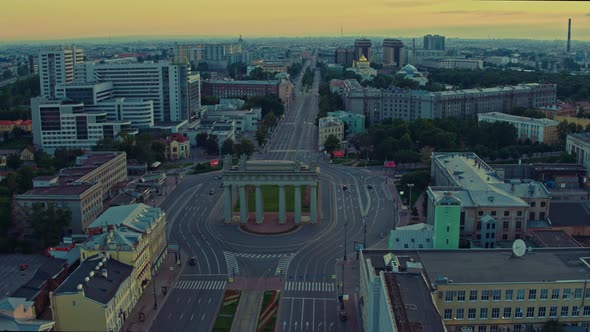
(518, 248)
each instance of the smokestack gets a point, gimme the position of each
(569, 34)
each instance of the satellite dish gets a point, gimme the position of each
(518, 248)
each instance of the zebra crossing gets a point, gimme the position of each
(200, 284)
(310, 286)
(232, 265)
(284, 264)
(259, 256)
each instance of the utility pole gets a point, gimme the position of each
(346, 224)
(364, 231)
(154, 284)
(410, 185)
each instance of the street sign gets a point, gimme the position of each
(338, 153)
(231, 279)
(389, 164)
(214, 163)
(345, 297)
(358, 246)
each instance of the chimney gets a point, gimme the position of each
(569, 34)
(104, 273)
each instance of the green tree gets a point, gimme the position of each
(212, 144)
(13, 161)
(227, 147)
(202, 139)
(209, 100)
(332, 143)
(237, 70)
(261, 133)
(7, 74)
(244, 147)
(50, 223)
(269, 120)
(552, 325)
(258, 74)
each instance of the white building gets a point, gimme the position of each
(245, 120)
(330, 126)
(411, 73)
(57, 66)
(579, 144)
(64, 124)
(535, 130)
(448, 63)
(166, 84)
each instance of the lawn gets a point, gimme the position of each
(270, 197)
(268, 311)
(226, 314)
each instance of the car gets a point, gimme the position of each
(370, 186)
(221, 185)
(192, 261)
(211, 192)
(23, 267)
(344, 188)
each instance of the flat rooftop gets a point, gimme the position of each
(14, 280)
(493, 265)
(86, 164)
(72, 189)
(514, 118)
(584, 137)
(549, 238)
(570, 213)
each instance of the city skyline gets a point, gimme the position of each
(453, 18)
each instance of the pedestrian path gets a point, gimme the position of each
(309, 286)
(259, 256)
(232, 265)
(200, 284)
(284, 264)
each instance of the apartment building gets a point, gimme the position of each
(474, 290)
(238, 89)
(246, 120)
(489, 208)
(379, 104)
(330, 126)
(534, 130)
(65, 124)
(57, 67)
(579, 145)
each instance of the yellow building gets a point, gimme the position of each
(177, 147)
(489, 290)
(98, 296)
(330, 126)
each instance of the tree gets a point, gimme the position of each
(332, 143)
(269, 120)
(261, 135)
(552, 325)
(212, 144)
(237, 70)
(247, 147)
(258, 74)
(227, 147)
(209, 100)
(50, 222)
(202, 139)
(13, 161)
(7, 74)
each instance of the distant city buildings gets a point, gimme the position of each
(379, 104)
(362, 47)
(57, 67)
(344, 56)
(238, 89)
(534, 130)
(392, 53)
(436, 42)
(330, 126)
(354, 122)
(362, 67)
(177, 147)
(452, 63)
(217, 56)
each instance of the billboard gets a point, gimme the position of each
(338, 154)
(389, 164)
(214, 163)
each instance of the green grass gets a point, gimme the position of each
(270, 197)
(225, 317)
(17, 143)
(371, 163)
(266, 300)
(270, 326)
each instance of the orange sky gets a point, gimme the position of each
(63, 19)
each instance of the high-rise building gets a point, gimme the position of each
(344, 56)
(569, 34)
(57, 66)
(392, 52)
(362, 47)
(166, 84)
(435, 42)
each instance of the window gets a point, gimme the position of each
(586, 310)
(588, 293)
(485, 295)
(519, 213)
(577, 293)
(494, 328)
(555, 294)
(478, 225)
(471, 313)
(494, 213)
(533, 204)
(542, 312)
(461, 295)
(448, 313)
(532, 294)
(507, 312)
(575, 311)
(497, 294)
(495, 313)
(506, 213)
(480, 213)
(508, 295)
(565, 310)
(472, 295)
(505, 225)
(566, 293)
(483, 313)
(531, 215)
(530, 312)
(519, 224)
(553, 312)
(449, 296)
(518, 312)
(460, 313)
(520, 295)
(543, 203)
(482, 328)
(544, 294)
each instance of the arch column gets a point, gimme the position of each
(282, 205)
(297, 206)
(227, 203)
(243, 205)
(313, 214)
(259, 205)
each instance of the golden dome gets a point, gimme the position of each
(363, 59)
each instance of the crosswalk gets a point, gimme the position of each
(310, 286)
(200, 284)
(284, 264)
(232, 265)
(259, 256)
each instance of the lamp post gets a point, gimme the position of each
(154, 284)
(364, 231)
(345, 224)
(410, 185)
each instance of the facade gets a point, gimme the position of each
(579, 144)
(420, 55)
(448, 63)
(484, 290)
(246, 120)
(436, 42)
(177, 147)
(481, 191)
(362, 47)
(65, 124)
(330, 126)
(416, 236)
(447, 216)
(99, 296)
(344, 56)
(355, 122)
(238, 89)
(164, 83)
(535, 130)
(57, 67)
(362, 67)
(392, 53)
(409, 105)
(138, 218)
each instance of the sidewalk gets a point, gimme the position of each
(145, 305)
(351, 288)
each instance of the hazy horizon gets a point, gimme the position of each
(63, 20)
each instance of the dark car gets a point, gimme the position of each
(344, 187)
(370, 186)
(23, 267)
(211, 192)
(192, 261)
(221, 185)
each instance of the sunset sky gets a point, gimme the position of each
(63, 19)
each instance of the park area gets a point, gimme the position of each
(227, 312)
(270, 197)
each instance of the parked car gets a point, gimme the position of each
(370, 186)
(192, 261)
(23, 267)
(211, 192)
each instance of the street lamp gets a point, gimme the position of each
(410, 185)
(154, 284)
(364, 231)
(345, 224)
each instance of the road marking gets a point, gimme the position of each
(192, 316)
(310, 286)
(203, 317)
(189, 299)
(308, 298)
(182, 314)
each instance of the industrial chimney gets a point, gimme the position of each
(569, 34)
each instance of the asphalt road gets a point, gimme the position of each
(306, 258)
